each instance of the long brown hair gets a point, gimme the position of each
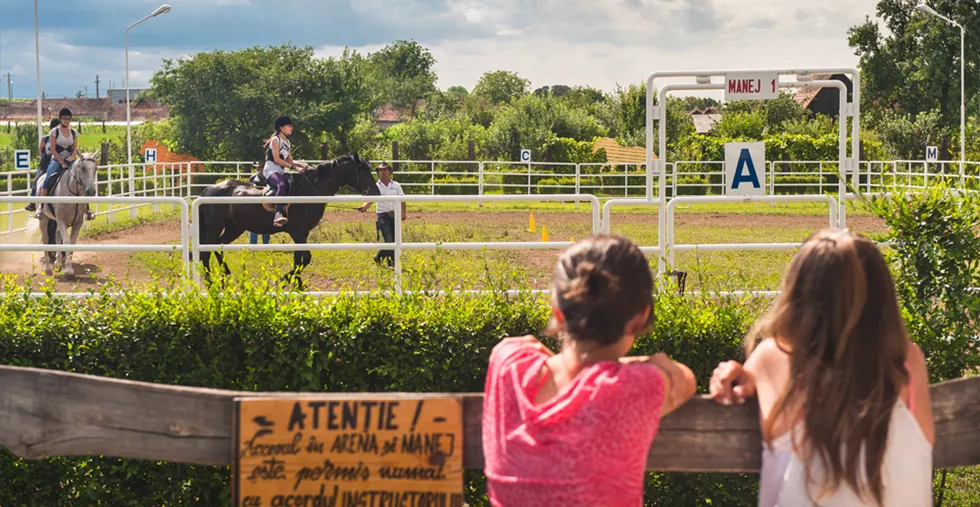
(838, 319)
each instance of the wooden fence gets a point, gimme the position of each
(51, 413)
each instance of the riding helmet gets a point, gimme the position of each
(64, 112)
(281, 122)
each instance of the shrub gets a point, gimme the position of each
(248, 338)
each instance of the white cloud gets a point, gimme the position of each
(577, 42)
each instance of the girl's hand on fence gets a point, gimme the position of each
(731, 382)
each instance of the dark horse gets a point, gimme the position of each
(224, 223)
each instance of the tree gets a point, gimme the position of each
(912, 66)
(222, 104)
(501, 87)
(457, 91)
(691, 102)
(532, 121)
(402, 74)
(631, 114)
(782, 109)
(905, 138)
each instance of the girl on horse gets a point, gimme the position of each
(279, 156)
(63, 146)
(44, 156)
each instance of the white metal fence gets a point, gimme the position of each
(178, 186)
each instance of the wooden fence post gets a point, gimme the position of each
(471, 155)
(104, 158)
(323, 151)
(394, 155)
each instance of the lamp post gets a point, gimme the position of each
(163, 9)
(37, 63)
(923, 7)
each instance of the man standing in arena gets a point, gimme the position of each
(386, 213)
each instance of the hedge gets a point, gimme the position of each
(265, 341)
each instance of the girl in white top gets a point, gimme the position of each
(278, 157)
(843, 393)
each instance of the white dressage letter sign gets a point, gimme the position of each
(745, 169)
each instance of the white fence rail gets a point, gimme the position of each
(178, 185)
(399, 245)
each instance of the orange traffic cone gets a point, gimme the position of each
(544, 233)
(530, 226)
(571, 240)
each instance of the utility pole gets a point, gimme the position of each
(97, 86)
(10, 88)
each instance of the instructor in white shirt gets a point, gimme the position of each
(386, 213)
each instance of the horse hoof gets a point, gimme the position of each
(69, 274)
(48, 271)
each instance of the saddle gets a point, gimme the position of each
(259, 180)
(41, 182)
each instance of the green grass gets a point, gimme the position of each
(447, 269)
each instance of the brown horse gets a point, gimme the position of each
(224, 223)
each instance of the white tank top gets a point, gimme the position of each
(907, 468)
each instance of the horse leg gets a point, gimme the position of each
(61, 239)
(213, 222)
(232, 232)
(75, 229)
(47, 238)
(301, 259)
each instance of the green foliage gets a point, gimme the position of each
(402, 74)
(25, 137)
(936, 254)
(910, 61)
(444, 139)
(742, 125)
(905, 138)
(532, 122)
(252, 337)
(223, 103)
(819, 126)
(501, 87)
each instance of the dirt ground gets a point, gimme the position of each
(98, 268)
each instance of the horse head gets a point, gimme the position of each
(83, 175)
(352, 171)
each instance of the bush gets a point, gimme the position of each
(249, 338)
(457, 185)
(801, 184)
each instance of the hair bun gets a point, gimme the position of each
(592, 282)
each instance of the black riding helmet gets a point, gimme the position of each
(281, 122)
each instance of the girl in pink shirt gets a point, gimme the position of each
(574, 428)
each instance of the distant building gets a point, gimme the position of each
(825, 101)
(118, 95)
(85, 109)
(704, 119)
(388, 116)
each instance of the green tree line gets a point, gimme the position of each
(223, 103)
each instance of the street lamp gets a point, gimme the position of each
(37, 62)
(163, 9)
(923, 7)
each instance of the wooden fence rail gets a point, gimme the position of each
(51, 413)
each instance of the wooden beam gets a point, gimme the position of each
(51, 413)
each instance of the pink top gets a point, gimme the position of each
(587, 446)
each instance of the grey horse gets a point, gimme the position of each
(78, 180)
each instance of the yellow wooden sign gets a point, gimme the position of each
(354, 452)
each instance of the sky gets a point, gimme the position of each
(599, 43)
